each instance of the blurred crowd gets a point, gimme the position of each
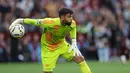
(103, 28)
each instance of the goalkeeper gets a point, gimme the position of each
(53, 41)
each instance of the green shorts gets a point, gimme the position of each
(49, 58)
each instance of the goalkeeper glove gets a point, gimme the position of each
(17, 21)
(75, 48)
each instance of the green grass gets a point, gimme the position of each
(69, 67)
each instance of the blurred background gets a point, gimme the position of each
(103, 29)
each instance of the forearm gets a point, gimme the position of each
(26, 21)
(73, 33)
(31, 21)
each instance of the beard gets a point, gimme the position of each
(66, 23)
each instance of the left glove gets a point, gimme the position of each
(75, 48)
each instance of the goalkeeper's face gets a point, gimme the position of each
(66, 19)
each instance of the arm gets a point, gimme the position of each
(26, 21)
(36, 22)
(39, 22)
(74, 42)
(73, 31)
(73, 35)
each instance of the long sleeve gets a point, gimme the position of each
(32, 21)
(46, 22)
(73, 31)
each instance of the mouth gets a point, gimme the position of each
(68, 23)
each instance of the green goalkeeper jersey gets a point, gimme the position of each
(54, 33)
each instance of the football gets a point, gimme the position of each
(17, 30)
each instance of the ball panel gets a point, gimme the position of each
(17, 31)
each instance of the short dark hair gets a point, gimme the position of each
(65, 11)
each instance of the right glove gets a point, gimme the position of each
(17, 21)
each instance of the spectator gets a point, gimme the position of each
(3, 44)
(26, 7)
(25, 49)
(88, 15)
(82, 44)
(102, 37)
(34, 48)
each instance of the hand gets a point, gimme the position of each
(75, 48)
(17, 21)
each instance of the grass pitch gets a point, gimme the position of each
(68, 67)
